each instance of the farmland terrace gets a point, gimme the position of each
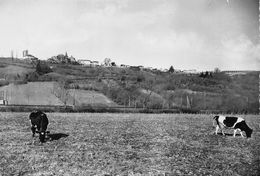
(126, 144)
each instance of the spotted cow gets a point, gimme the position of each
(236, 123)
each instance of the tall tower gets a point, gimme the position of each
(25, 53)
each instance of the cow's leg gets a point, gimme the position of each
(241, 133)
(217, 127)
(235, 131)
(222, 131)
(42, 136)
(33, 130)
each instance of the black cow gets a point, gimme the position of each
(236, 123)
(40, 121)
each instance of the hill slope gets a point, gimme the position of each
(211, 91)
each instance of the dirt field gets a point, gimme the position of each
(126, 144)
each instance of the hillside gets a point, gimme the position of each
(143, 88)
(157, 89)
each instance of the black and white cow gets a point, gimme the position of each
(236, 123)
(40, 121)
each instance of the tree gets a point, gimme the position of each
(148, 85)
(171, 70)
(205, 74)
(140, 78)
(61, 91)
(107, 62)
(217, 70)
(113, 64)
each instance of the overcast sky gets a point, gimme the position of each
(187, 34)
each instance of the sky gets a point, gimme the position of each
(185, 34)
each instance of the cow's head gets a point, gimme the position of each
(249, 132)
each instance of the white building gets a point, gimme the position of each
(88, 63)
(192, 71)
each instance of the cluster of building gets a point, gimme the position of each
(65, 59)
(62, 59)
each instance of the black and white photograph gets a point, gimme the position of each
(129, 87)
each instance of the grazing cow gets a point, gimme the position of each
(236, 123)
(40, 121)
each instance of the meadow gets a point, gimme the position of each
(126, 144)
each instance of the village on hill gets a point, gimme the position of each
(108, 62)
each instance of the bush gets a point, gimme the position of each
(3, 83)
(18, 82)
(155, 103)
(42, 68)
(32, 77)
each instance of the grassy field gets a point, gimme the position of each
(87, 97)
(41, 93)
(126, 144)
(32, 93)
